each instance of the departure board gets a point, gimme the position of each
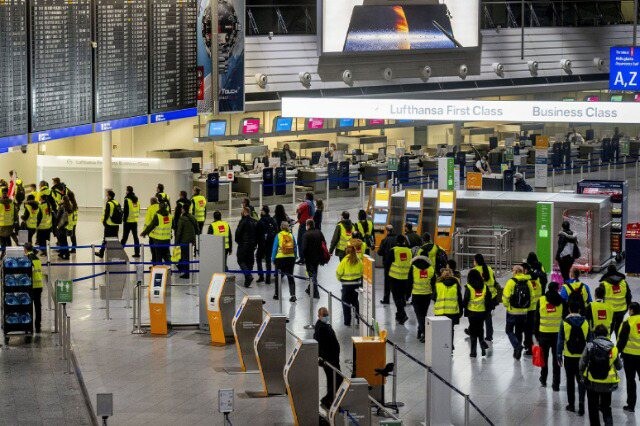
(173, 55)
(121, 85)
(61, 64)
(13, 68)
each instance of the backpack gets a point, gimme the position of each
(576, 340)
(599, 359)
(575, 296)
(116, 214)
(521, 296)
(287, 244)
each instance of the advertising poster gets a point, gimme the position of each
(230, 54)
(544, 234)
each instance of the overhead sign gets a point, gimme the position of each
(624, 68)
(464, 110)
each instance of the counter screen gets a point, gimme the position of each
(157, 280)
(315, 123)
(446, 200)
(250, 126)
(375, 122)
(412, 218)
(445, 221)
(380, 218)
(283, 124)
(217, 128)
(616, 98)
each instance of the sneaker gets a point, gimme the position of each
(543, 382)
(570, 408)
(421, 339)
(292, 299)
(316, 295)
(556, 388)
(275, 297)
(466, 331)
(73, 251)
(628, 409)
(405, 319)
(260, 280)
(134, 256)
(483, 351)
(307, 290)
(517, 353)
(473, 355)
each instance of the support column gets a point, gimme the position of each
(107, 166)
(457, 134)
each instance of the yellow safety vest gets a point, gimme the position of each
(446, 300)
(616, 295)
(401, 263)
(567, 333)
(134, 210)
(221, 229)
(7, 214)
(601, 314)
(569, 287)
(32, 220)
(431, 254)
(361, 230)
(550, 316)
(491, 282)
(509, 288)
(163, 230)
(36, 195)
(46, 221)
(73, 220)
(111, 205)
(612, 377)
(476, 299)
(633, 344)
(44, 193)
(422, 280)
(36, 280)
(345, 236)
(280, 254)
(535, 294)
(349, 274)
(199, 207)
(152, 211)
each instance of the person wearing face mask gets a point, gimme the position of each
(329, 352)
(482, 166)
(287, 155)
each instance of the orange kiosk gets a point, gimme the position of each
(159, 300)
(413, 210)
(446, 219)
(381, 205)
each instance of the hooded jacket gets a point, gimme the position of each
(575, 320)
(555, 299)
(565, 237)
(604, 344)
(336, 233)
(615, 278)
(422, 262)
(477, 286)
(451, 281)
(125, 206)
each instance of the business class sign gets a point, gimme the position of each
(463, 110)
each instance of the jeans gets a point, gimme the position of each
(398, 290)
(312, 271)
(420, 304)
(548, 344)
(599, 401)
(74, 241)
(184, 266)
(571, 365)
(565, 264)
(616, 321)
(263, 255)
(112, 231)
(131, 227)
(631, 370)
(42, 236)
(528, 331)
(476, 333)
(63, 242)
(30, 234)
(302, 228)
(245, 262)
(328, 372)
(515, 329)
(285, 265)
(349, 299)
(488, 326)
(162, 254)
(387, 289)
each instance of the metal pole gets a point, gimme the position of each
(581, 171)
(135, 308)
(326, 201)
(466, 410)
(310, 325)
(608, 171)
(261, 191)
(624, 169)
(59, 320)
(427, 420)
(635, 22)
(553, 180)
(394, 389)
(571, 182)
(230, 193)
(293, 192)
(107, 294)
(522, 30)
(362, 193)
(93, 267)
(637, 161)
(68, 344)
(63, 335)
(56, 314)
(354, 328)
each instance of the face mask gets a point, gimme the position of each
(325, 319)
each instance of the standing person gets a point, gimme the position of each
(329, 352)
(152, 211)
(575, 291)
(221, 228)
(267, 231)
(341, 236)
(386, 245)
(73, 220)
(516, 298)
(8, 219)
(482, 166)
(568, 250)
(182, 201)
(283, 256)
(279, 215)
(36, 285)
(599, 365)
(30, 216)
(62, 226)
(159, 232)
(247, 203)
(111, 220)
(33, 189)
(357, 243)
(599, 312)
(186, 232)
(538, 289)
(421, 280)
(58, 190)
(317, 217)
(521, 185)
(436, 254)
(349, 273)
(629, 345)
(198, 208)
(412, 236)
(246, 239)
(489, 279)
(448, 299)
(616, 294)
(398, 262)
(549, 314)
(162, 196)
(130, 215)
(44, 193)
(44, 225)
(572, 340)
(313, 240)
(365, 228)
(305, 211)
(19, 193)
(477, 304)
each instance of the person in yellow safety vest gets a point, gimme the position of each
(629, 345)
(58, 190)
(531, 313)
(130, 216)
(489, 279)
(73, 220)
(599, 365)
(574, 290)
(365, 228)
(163, 197)
(221, 228)
(477, 305)
(572, 340)
(436, 254)
(599, 312)
(422, 278)
(44, 225)
(198, 208)
(349, 273)
(341, 236)
(159, 231)
(45, 194)
(398, 262)
(550, 311)
(516, 298)
(616, 294)
(30, 216)
(36, 285)
(8, 219)
(152, 211)
(357, 243)
(111, 220)
(283, 255)
(448, 299)
(33, 189)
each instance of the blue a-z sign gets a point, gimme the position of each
(624, 68)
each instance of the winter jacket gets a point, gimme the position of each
(181, 202)
(187, 229)
(488, 303)
(265, 241)
(312, 243)
(348, 225)
(414, 239)
(125, 206)
(387, 244)
(449, 282)
(616, 278)
(328, 346)
(246, 235)
(565, 237)
(606, 345)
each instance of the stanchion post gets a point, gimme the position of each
(230, 194)
(107, 293)
(466, 410)
(394, 388)
(310, 325)
(59, 320)
(581, 172)
(68, 344)
(571, 181)
(553, 179)
(93, 267)
(624, 168)
(293, 192)
(354, 327)
(330, 306)
(637, 161)
(56, 315)
(609, 171)
(63, 335)
(326, 201)
(361, 182)
(260, 193)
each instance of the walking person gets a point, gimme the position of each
(159, 232)
(267, 231)
(349, 273)
(36, 285)
(616, 294)
(448, 299)
(599, 312)
(313, 240)
(182, 201)
(328, 352)
(341, 236)
(162, 197)
(398, 262)
(279, 215)
(516, 298)
(111, 220)
(130, 215)
(186, 232)
(572, 340)
(386, 245)
(629, 345)
(198, 208)
(305, 211)
(477, 304)
(489, 279)
(568, 250)
(283, 256)
(549, 314)
(30, 216)
(246, 240)
(538, 289)
(365, 227)
(221, 228)
(317, 217)
(421, 280)
(575, 291)
(152, 211)
(62, 226)
(73, 220)
(44, 224)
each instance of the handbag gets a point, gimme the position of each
(557, 277)
(537, 358)
(325, 255)
(176, 255)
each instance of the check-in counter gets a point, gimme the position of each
(374, 172)
(308, 177)
(223, 193)
(250, 183)
(493, 182)
(304, 147)
(367, 144)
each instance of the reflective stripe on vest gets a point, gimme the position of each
(221, 229)
(601, 314)
(422, 280)
(612, 377)
(163, 230)
(199, 207)
(361, 230)
(491, 282)
(280, 254)
(151, 213)
(37, 273)
(345, 236)
(446, 300)
(46, 221)
(401, 263)
(72, 220)
(7, 214)
(633, 344)
(351, 274)
(550, 316)
(134, 211)
(567, 332)
(615, 295)
(476, 299)
(32, 220)
(535, 294)
(111, 205)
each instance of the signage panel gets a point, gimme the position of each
(624, 68)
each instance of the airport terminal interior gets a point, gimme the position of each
(319, 212)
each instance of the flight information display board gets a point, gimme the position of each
(61, 64)
(13, 68)
(173, 54)
(121, 68)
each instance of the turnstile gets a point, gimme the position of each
(301, 379)
(118, 262)
(351, 405)
(221, 305)
(246, 324)
(270, 347)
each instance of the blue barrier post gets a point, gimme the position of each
(93, 267)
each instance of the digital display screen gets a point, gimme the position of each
(346, 122)
(412, 218)
(404, 121)
(568, 100)
(444, 221)
(446, 200)
(250, 126)
(592, 99)
(283, 124)
(636, 98)
(616, 98)
(375, 122)
(157, 280)
(315, 123)
(217, 128)
(380, 218)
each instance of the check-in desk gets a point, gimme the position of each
(493, 182)
(374, 172)
(250, 183)
(304, 147)
(308, 177)
(223, 191)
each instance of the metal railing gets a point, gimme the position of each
(495, 244)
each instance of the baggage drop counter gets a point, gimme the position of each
(517, 211)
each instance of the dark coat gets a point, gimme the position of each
(187, 229)
(246, 236)
(312, 243)
(265, 242)
(328, 346)
(565, 237)
(387, 244)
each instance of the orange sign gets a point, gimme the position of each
(474, 181)
(542, 142)
(367, 270)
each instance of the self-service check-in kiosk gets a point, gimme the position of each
(159, 299)
(413, 210)
(221, 306)
(270, 348)
(246, 324)
(446, 219)
(351, 404)
(382, 200)
(301, 379)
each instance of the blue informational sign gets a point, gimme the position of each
(217, 128)
(624, 68)
(122, 123)
(346, 122)
(173, 115)
(9, 141)
(284, 124)
(67, 132)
